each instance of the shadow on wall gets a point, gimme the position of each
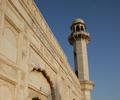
(36, 98)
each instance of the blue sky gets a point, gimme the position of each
(103, 21)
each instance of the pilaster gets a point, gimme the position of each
(22, 62)
(2, 17)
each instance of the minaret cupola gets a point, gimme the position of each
(78, 29)
(78, 25)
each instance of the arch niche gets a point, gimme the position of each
(40, 85)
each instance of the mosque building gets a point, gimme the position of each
(33, 66)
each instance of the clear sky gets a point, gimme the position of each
(103, 21)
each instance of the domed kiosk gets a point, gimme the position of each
(79, 30)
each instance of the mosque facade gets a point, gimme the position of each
(33, 65)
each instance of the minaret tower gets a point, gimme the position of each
(79, 38)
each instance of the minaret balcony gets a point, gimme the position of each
(79, 35)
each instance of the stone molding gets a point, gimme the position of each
(87, 85)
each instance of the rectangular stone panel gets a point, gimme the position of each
(33, 93)
(13, 16)
(8, 46)
(7, 90)
(36, 59)
(9, 72)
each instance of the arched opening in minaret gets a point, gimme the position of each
(82, 28)
(77, 28)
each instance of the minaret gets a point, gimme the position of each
(79, 38)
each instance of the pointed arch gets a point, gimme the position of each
(47, 77)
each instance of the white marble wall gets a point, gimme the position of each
(32, 62)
